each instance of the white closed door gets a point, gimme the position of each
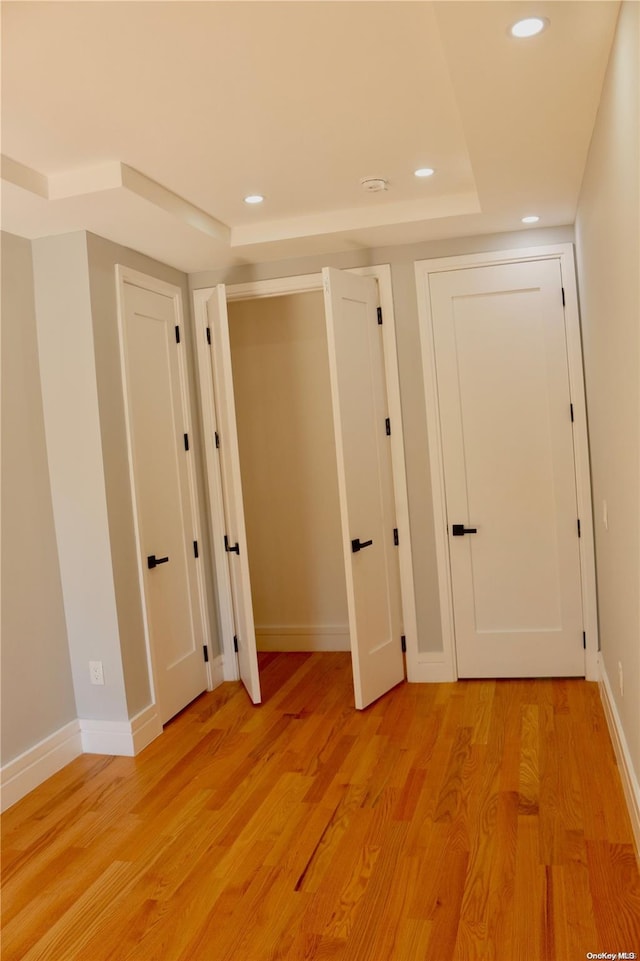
(507, 438)
(365, 482)
(235, 535)
(156, 389)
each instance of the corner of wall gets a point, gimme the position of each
(73, 442)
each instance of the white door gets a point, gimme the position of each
(163, 477)
(505, 411)
(236, 538)
(365, 483)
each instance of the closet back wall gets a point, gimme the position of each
(288, 466)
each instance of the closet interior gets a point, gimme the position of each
(289, 473)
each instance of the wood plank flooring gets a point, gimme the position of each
(478, 820)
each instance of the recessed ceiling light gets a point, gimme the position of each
(533, 219)
(529, 27)
(424, 172)
(254, 199)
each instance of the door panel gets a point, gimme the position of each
(156, 391)
(222, 377)
(365, 483)
(503, 389)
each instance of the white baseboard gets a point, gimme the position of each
(40, 762)
(145, 727)
(303, 637)
(216, 669)
(230, 670)
(430, 669)
(123, 738)
(627, 774)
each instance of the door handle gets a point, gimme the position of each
(459, 530)
(357, 545)
(231, 550)
(153, 561)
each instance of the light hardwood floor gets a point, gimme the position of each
(483, 819)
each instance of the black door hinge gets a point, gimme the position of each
(379, 311)
(217, 437)
(563, 300)
(579, 531)
(396, 540)
(571, 409)
(186, 442)
(584, 640)
(235, 644)
(205, 651)
(195, 549)
(387, 426)
(403, 643)
(177, 334)
(209, 336)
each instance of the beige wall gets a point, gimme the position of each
(37, 690)
(608, 253)
(288, 463)
(411, 381)
(76, 470)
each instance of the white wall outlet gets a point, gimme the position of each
(95, 672)
(620, 679)
(605, 515)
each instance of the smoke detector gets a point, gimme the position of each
(374, 184)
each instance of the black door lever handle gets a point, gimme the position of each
(231, 550)
(357, 545)
(459, 530)
(153, 561)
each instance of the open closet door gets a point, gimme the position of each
(365, 482)
(236, 538)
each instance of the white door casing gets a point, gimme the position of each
(365, 483)
(235, 532)
(163, 488)
(515, 597)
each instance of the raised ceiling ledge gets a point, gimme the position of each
(112, 175)
(356, 218)
(136, 202)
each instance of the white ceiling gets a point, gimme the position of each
(148, 122)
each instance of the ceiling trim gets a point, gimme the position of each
(109, 176)
(22, 176)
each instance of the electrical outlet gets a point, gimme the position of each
(95, 672)
(620, 679)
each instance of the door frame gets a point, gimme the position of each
(443, 666)
(280, 287)
(136, 278)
